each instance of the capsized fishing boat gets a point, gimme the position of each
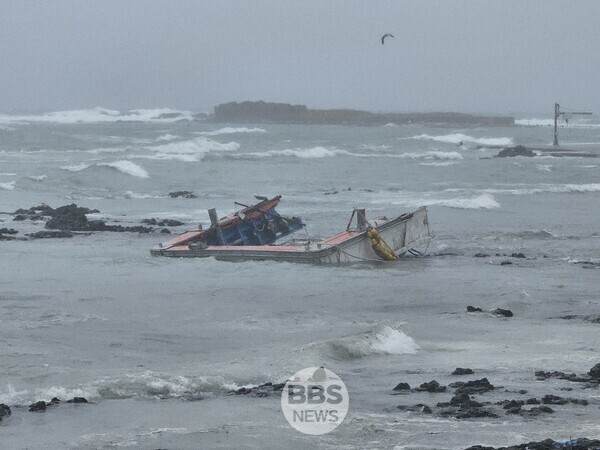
(255, 233)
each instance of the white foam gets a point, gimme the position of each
(190, 150)
(166, 138)
(439, 163)
(303, 153)
(413, 199)
(138, 196)
(9, 186)
(545, 167)
(96, 115)
(123, 166)
(538, 189)
(573, 123)
(38, 177)
(457, 138)
(127, 167)
(76, 167)
(8, 174)
(433, 154)
(383, 340)
(230, 130)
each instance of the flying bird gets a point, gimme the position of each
(384, 36)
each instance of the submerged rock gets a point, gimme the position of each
(548, 444)
(503, 312)
(416, 408)
(163, 223)
(518, 255)
(4, 411)
(51, 234)
(263, 390)
(461, 371)
(517, 150)
(473, 309)
(78, 400)
(8, 231)
(184, 194)
(481, 255)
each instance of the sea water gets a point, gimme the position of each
(156, 344)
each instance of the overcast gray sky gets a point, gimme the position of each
(479, 56)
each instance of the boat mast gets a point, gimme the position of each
(557, 114)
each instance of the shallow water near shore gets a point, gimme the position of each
(157, 344)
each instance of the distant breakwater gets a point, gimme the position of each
(285, 113)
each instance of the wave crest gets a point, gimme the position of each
(383, 340)
(231, 130)
(97, 115)
(457, 138)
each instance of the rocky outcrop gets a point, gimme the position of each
(517, 150)
(265, 112)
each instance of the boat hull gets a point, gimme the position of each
(401, 234)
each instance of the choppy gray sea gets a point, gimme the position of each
(156, 343)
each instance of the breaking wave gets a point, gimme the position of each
(96, 115)
(148, 384)
(324, 152)
(538, 189)
(9, 186)
(457, 138)
(124, 166)
(383, 340)
(413, 199)
(230, 130)
(38, 177)
(189, 151)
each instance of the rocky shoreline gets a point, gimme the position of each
(68, 220)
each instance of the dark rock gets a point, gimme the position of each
(473, 309)
(595, 371)
(542, 375)
(416, 408)
(163, 223)
(464, 401)
(554, 400)
(402, 387)
(8, 231)
(548, 444)
(7, 238)
(431, 386)
(51, 234)
(461, 371)
(522, 391)
(512, 404)
(517, 150)
(518, 255)
(536, 411)
(481, 255)
(474, 387)
(184, 194)
(264, 390)
(506, 263)
(77, 400)
(331, 193)
(70, 217)
(503, 312)
(54, 401)
(4, 411)
(165, 231)
(473, 413)
(532, 401)
(20, 218)
(38, 406)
